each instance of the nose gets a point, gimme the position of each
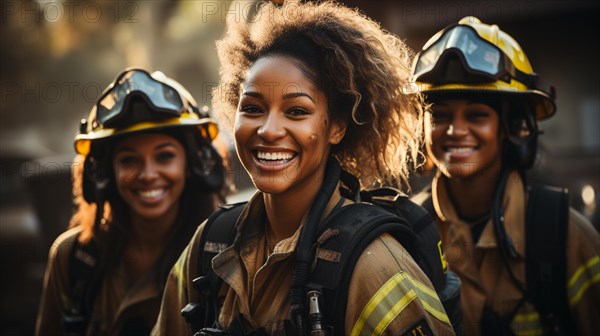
(457, 128)
(148, 172)
(272, 129)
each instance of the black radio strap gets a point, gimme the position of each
(85, 279)
(214, 239)
(545, 257)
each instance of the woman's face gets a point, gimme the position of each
(283, 132)
(150, 171)
(464, 139)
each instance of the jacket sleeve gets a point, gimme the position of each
(390, 295)
(178, 293)
(56, 295)
(583, 274)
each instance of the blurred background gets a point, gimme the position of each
(57, 56)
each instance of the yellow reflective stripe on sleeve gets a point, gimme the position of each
(531, 317)
(395, 311)
(177, 272)
(526, 324)
(586, 276)
(431, 301)
(384, 306)
(391, 299)
(442, 257)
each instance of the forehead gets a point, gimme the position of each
(280, 72)
(145, 140)
(461, 104)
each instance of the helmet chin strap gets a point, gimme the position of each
(101, 187)
(521, 137)
(206, 163)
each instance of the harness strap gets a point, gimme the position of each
(212, 242)
(351, 229)
(85, 278)
(545, 257)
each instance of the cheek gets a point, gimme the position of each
(319, 133)
(178, 171)
(124, 174)
(435, 136)
(239, 139)
(491, 134)
(242, 130)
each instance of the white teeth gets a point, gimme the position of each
(460, 149)
(152, 193)
(274, 156)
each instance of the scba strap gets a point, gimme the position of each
(546, 258)
(85, 278)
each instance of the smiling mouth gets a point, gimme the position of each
(458, 150)
(274, 158)
(153, 194)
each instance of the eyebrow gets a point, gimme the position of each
(290, 95)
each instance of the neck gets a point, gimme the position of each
(286, 210)
(150, 235)
(473, 196)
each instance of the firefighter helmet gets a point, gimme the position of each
(476, 57)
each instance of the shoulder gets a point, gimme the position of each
(191, 252)
(386, 253)
(389, 288)
(422, 196)
(63, 244)
(581, 233)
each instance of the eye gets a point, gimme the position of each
(441, 117)
(165, 156)
(251, 109)
(127, 161)
(297, 112)
(477, 115)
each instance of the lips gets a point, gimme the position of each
(274, 156)
(458, 152)
(151, 195)
(273, 160)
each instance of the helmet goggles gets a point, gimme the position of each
(139, 101)
(165, 100)
(481, 60)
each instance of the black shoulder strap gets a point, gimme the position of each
(342, 239)
(84, 279)
(430, 256)
(217, 235)
(428, 205)
(545, 257)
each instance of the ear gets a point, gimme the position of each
(337, 131)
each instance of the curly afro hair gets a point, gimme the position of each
(360, 67)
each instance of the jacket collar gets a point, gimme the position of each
(252, 219)
(514, 211)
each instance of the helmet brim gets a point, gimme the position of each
(542, 103)
(83, 142)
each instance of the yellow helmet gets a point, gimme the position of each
(472, 56)
(164, 103)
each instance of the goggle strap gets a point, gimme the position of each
(529, 80)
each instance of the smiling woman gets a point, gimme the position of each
(283, 139)
(465, 132)
(494, 224)
(309, 89)
(150, 175)
(146, 175)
